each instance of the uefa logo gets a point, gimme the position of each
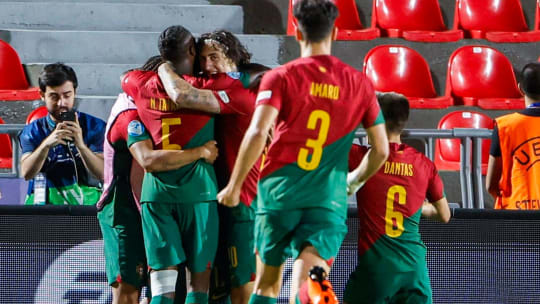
(77, 276)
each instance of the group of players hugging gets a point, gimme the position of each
(285, 168)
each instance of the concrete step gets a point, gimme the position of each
(113, 46)
(15, 112)
(119, 16)
(97, 79)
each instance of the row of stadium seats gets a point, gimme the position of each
(421, 20)
(477, 76)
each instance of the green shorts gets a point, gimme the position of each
(280, 234)
(368, 286)
(123, 245)
(178, 233)
(235, 261)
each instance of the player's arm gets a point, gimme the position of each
(165, 160)
(494, 169)
(184, 94)
(438, 211)
(374, 159)
(250, 150)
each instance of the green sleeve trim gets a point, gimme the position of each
(379, 119)
(134, 139)
(244, 78)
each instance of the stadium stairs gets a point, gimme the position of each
(102, 39)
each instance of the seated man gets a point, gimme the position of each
(391, 256)
(64, 148)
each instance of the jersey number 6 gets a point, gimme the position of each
(166, 133)
(391, 215)
(315, 144)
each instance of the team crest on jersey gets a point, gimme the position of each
(135, 128)
(224, 97)
(234, 75)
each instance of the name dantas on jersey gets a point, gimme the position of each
(135, 128)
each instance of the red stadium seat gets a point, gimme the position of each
(6, 153)
(494, 20)
(13, 84)
(36, 114)
(447, 151)
(348, 22)
(482, 76)
(419, 20)
(403, 70)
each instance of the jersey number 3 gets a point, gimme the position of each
(394, 229)
(304, 161)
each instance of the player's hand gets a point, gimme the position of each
(209, 151)
(353, 184)
(59, 136)
(229, 196)
(76, 131)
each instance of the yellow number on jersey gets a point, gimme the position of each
(391, 215)
(315, 144)
(165, 133)
(233, 256)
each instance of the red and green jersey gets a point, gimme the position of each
(321, 102)
(172, 129)
(230, 130)
(390, 206)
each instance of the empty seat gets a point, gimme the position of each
(403, 70)
(482, 76)
(447, 151)
(6, 152)
(419, 20)
(494, 20)
(36, 114)
(13, 84)
(348, 22)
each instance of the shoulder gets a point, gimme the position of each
(36, 129)
(420, 158)
(91, 120)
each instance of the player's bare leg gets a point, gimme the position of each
(308, 258)
(268, 280)
(240, 295)
(124, 293)
(198, 284)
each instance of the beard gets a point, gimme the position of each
(56, 113)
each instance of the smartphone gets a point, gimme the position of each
(67, 116)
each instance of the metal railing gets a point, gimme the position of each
(470, 173)
(13, 131)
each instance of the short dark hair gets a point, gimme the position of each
(231, 46)
(56, 74)
(172, 42)
(530, 80)
(315, 18)
(395, 109)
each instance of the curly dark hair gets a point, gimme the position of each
(56, 74)
(315, 18)
(228, 43)
(173, 42)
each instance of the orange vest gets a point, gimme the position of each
(519, 138)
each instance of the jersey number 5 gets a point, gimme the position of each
(394, 229)
(315, 144)
(166, 123)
